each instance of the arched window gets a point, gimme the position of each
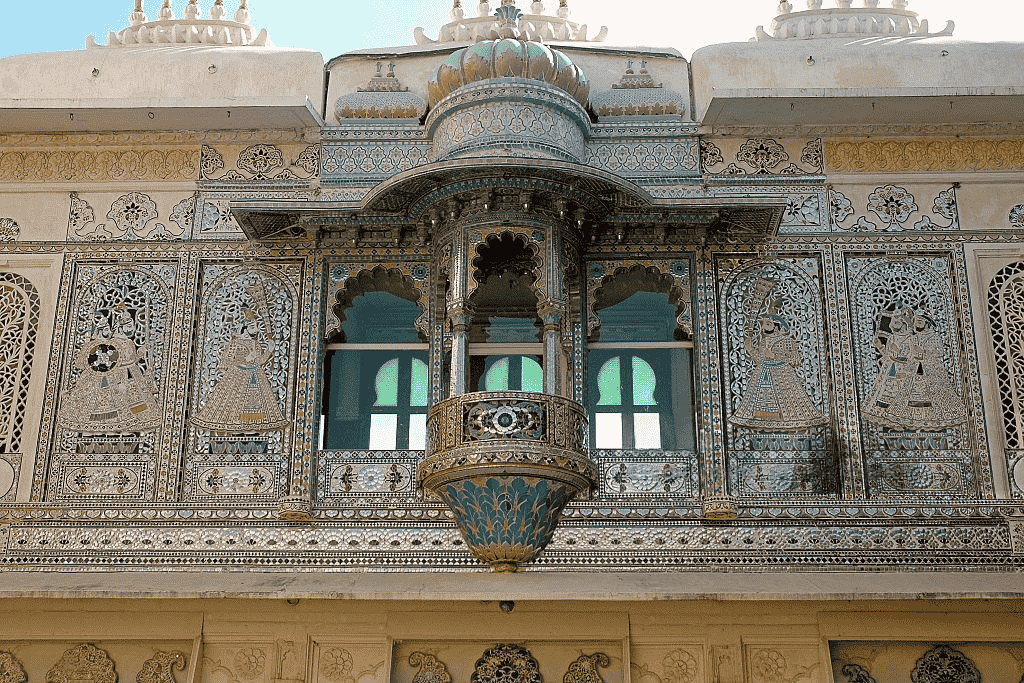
(376, 381)
(641, 392)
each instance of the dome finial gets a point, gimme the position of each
(242, 15)
(217, 12)
(138, 16)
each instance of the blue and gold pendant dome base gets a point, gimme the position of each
(506, 464)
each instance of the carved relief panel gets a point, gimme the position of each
(776, 377)
(919, 418)
(111, 388)
(242, 392)
(889, 661)
(19, 324)
(496, 662)
(351, 661)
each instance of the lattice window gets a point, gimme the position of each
(19, 323)
(1006, 320)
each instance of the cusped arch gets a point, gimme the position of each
(534, 261)
(612, 286)
(377, 279)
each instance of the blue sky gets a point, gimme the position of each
(336, 26)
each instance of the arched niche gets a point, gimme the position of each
(612, 283)
(353, 282)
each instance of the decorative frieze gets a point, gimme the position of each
(903, 155)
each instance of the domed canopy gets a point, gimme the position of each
(508, 57)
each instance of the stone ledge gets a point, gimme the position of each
(531, 585)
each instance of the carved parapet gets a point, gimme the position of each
(847, 21)
(506, 463)
(188, 30)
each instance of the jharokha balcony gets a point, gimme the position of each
(506, 463)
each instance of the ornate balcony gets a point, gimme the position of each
(506, 463)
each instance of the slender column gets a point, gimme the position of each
(460, 352)
(552, 314)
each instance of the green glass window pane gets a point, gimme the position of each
(643, 383)
(418, 392)
(386, 384)
(609, 383)
(533, 375)
(496, 378)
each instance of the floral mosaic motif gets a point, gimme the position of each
(9, 230)
(160, 667)
(505, 663)
(132, 217)
(645, 159)
(11, 668)
(893, 206)
(260, 160)
(80, 215)
(431, 669)
(802, 211)
(216, 217)
(83, 663)
(119, 333)
(679, 666)
(370, 478)
(644, 477)
(132, 212)
(210, 161)
(505, 420)
(710, 154)
(104, 481)
(761, 154)
(1016, 217)
(855, 673)
(336, 665)
(373, 160)
(250, 663)
(236, 480)
(945, 205)
(813, 155)
(585, 669)
(840, 207)
(943, 664)
(499, 513)
(184, 212)
(248, 327)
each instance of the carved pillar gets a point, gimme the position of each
(457, 379)
(716, 501)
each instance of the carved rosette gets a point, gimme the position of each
(506, 464)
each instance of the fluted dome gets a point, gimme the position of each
(508, 57)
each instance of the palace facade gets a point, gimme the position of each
(513, 355)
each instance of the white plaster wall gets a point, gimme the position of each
(140, 76)
(869, 63)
